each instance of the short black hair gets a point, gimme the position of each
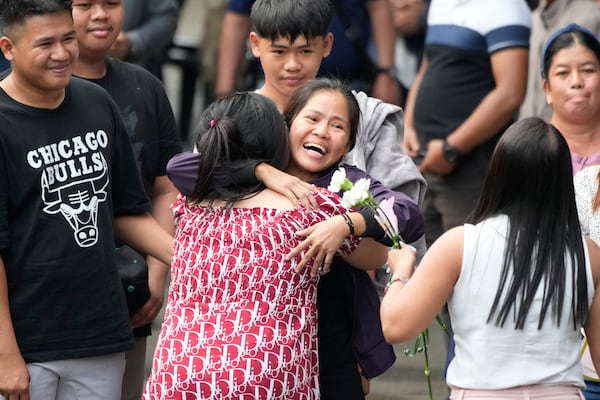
(13, 13)
(291, 18)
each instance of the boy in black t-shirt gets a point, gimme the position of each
(68, 181)
(151, 126)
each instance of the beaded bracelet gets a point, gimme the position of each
(402, 279)
(349, 223)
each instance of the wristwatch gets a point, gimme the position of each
(391, 71)
(450, 153)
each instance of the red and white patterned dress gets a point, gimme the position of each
(240, 323)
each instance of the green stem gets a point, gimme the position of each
(442, 324)
(394, 236)
(425, 335)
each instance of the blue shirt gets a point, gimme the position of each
(4, 64)
(343, 61)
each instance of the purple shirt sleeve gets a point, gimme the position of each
(410, 220)
(182, 170)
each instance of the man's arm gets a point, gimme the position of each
(234, 34)
(152, 35)
(164, 195)
(409, 16)
(143, 233)
(510, 73)
(509, 67)
(14, 377)
(410, 144)
(385, 87)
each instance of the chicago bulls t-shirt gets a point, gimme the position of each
(64, 174)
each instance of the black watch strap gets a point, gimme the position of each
(450, 153)
(392, 71)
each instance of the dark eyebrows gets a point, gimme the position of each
(287, 45)
(46, 39)
(70, 34)
(335, 116)
(584, 64)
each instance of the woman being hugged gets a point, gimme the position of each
(323, 118)
(520, 280)
(241, 317)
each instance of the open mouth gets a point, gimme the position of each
(316, 148)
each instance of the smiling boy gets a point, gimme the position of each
(150, 124)
(291, 39)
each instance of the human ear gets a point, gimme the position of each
(546, 87)
(327, 44)
(6, 47)
(254, 44)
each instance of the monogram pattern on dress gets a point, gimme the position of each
(240, 322)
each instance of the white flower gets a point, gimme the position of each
(337, 180)
(357, 195)
(362, 186)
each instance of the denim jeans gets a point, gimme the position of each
(592, 390)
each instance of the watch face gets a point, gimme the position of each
(450, 153)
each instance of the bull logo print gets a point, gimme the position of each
(78, 202)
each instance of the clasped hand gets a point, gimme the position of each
(322, 241)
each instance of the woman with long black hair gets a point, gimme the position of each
(520, 280)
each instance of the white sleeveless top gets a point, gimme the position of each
(490, 357)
